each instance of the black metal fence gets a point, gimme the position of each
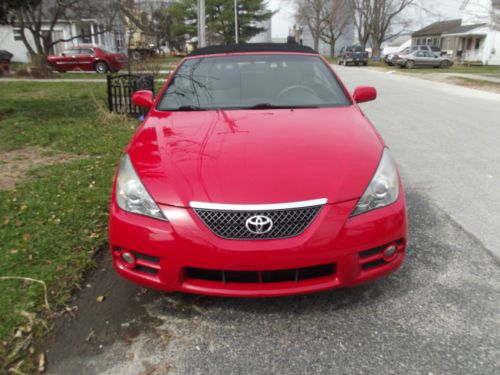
(120, 90)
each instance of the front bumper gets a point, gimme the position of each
(168, 251)
(357, 59)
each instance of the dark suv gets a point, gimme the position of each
(352, 55)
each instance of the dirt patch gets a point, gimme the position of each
(472, 82)
(106, 311)
(475, 84)
(14, 165)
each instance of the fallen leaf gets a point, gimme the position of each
(18, 334)
(41, 362)
(90, 335)
(128, 323)
(26, 236)
(100, 298)
(6, 221)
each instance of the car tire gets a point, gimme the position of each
(136, 55)
(410, 64)
(365, 63)
(444, 64)
(101, 67)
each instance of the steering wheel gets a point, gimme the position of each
(296, 87)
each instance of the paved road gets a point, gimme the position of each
(446, 140)
(440, 314)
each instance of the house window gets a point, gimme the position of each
(478, 43)
(17, 34)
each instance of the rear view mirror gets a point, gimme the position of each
(143, 98)
(364, 94)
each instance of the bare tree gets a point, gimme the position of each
(336, 17)
(311, 14)
(374, 18)
(362, 20)
(38, 20)
(384, 15)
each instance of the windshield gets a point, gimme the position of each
(253, 82)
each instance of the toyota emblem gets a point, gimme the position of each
(259, 224)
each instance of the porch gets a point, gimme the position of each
(471, 49)
(467, 44)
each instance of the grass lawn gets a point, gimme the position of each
(454, 69)
(53, 221)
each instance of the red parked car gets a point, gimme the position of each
(88, 58)
(256, 174)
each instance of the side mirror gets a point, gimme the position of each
(364, 94)
(143, 98)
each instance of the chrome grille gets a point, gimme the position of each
(230, 224)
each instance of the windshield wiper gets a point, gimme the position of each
(189, 108)
(273, 106)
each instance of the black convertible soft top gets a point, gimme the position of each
(253, 47)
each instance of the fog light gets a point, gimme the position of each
(390, 251)
(128, 259)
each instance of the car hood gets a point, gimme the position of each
(256, 156)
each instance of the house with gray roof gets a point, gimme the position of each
(432, 35)
(475, 38)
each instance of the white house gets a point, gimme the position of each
(396, 45)
(84, 32)
(477, 39)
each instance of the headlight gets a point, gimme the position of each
(131, 195)
(383, 189)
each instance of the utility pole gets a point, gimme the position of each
(236, 33)
(201, 24)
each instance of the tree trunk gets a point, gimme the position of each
(377, 46)
(332, 49)
(364, 40)
(316, 42)
(41, 67)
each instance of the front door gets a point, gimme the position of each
(67, 60)
(85, 59)
(419, 58)
(431, 59)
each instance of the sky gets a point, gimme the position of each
(426, 12)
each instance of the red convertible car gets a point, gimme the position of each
(88, 58)
(256, 174)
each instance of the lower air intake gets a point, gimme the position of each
(262, 277)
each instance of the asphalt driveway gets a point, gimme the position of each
(439, 314)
